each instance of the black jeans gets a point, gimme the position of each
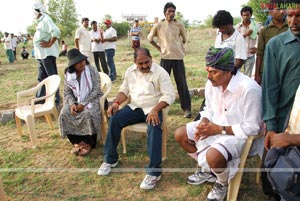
(47, 67)
(101, 56)
(180, 79)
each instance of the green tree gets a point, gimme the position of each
(63, 13)
(179, 17)
(259, 13)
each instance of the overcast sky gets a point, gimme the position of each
(16, 15)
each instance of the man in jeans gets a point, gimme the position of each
(150, 89)
(232, 112)
(109, 42)
(97, 47)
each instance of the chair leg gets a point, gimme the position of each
(31, 129)
(55, 114)
(258, 173)
(49, 121)
(19, 125)
(123, 140)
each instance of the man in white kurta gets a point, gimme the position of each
(232, 112)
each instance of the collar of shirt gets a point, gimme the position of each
(290, 37)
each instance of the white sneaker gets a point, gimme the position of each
(200, 177)
(149, 182)
(105, 168)
(218, 192)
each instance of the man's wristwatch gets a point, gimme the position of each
(224, 131)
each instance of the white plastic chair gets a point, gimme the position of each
(28, 113)
(106, 86)
(142, 128)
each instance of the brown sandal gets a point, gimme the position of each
(75, 150)
(85, 149)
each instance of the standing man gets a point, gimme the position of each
(109, 42)
(281, 78)
(228, 36)
(83, 39)
(277, 25)
(232, 112)
(97, 47)
(171, 36)
(135, 32)
(249, 29)
(14, 41)
(8, 47)
(46, 48)
(150, 89)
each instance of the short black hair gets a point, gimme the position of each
(93, 22)
(169, 5)
(84, 19)
(246, 9)
(222, 18)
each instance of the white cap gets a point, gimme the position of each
(39, 7)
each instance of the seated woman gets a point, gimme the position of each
(80, 116)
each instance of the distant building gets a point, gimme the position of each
(131, 17)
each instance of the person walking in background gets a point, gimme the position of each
(83, 39)
(150, 89)
(281, 78)
(109, 42)
(232, 112)
(24, 53)
(277, 25)
(64, 49)
(46, 48)
(171, 37)
(14, 42)
(8, 47)
(228, 36)
(135, 33)
(249, 29)
(97, 47)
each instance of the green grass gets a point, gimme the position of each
(50, 172)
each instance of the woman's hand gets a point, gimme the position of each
(74, 109)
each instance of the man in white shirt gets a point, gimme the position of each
(97, 47)
(229, 37)
(83, 39)
(14, 41)
(109, 42)
(150, 89)
(232, 112)
(8, 47)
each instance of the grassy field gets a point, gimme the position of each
(50, 172)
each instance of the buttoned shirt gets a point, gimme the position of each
(251, 39)
(171, 37)
(236, 41)
(96, 47)
(266, 33)
(45, 30)
(239, 106)
(146, 90)
(294, 121)
(110, 33)
(281, 78)
(7, 43)
(85, 39)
